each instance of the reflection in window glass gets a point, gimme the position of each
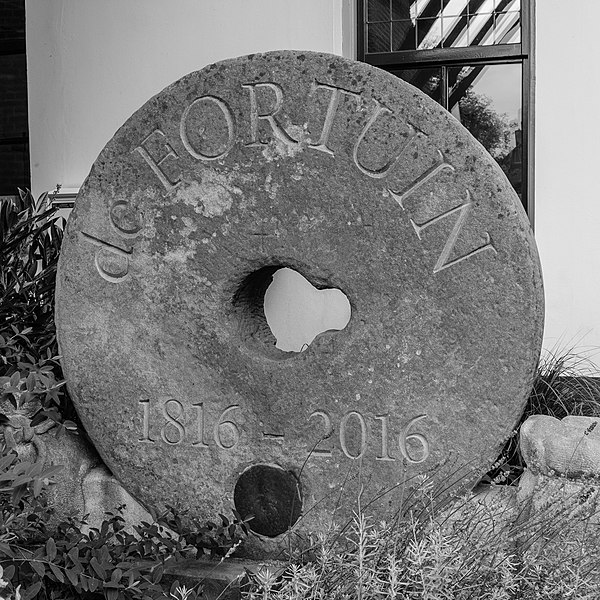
(487, 101)
(396, 25)
(378, 37)
(427, 80)
(402, 35)
(507, 28)
(429, 33)
(378, 10)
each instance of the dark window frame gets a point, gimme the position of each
(11, 45)
(522, 53)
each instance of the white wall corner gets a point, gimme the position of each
(348, 28)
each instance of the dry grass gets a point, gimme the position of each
(473, 550)
(563, 386)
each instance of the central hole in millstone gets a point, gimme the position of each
(271, 496)
(297, 312)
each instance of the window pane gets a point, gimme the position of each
(401, 9)
(507, 28)
(453, 8)
(428, 24)
(429, 33)
(14, 128)
(12, 19)
(378, 10)
(427, 80)
(487, 101)
(378, 37)
(14, 173)
(403, 36)
(13, 96)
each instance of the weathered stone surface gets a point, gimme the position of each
(569, 447)
(357, 181)
(102, 493)
(83, 486)
(40, 444)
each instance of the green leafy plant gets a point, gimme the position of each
(30, 238)
(215, 540)
(71, 560)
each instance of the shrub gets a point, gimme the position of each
(74, 561)
(30, 238)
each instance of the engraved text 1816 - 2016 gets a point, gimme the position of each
(168, 422)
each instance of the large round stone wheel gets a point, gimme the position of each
(359, 182)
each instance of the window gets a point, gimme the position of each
(14, 129)
(471, 56)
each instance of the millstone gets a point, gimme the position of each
(357, 181)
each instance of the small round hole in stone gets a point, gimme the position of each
(271, 496)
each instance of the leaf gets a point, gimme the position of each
(72, 575)
(157, 574)
(30, 382)
(22, 479)
(38, 419)
(111, 594)
(52, 471)
(38, 567)
(73, 554)
(116, 575)
(50, 549)
(111, 585)
(57, 572)
(98, 568)
(35, 470)
(32, 591)
(7, 550)
(7, 461)
(53, 414)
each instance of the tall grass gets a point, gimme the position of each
(563, 386)
(476, 549)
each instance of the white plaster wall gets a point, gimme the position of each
(92, 63)
(567, 213)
